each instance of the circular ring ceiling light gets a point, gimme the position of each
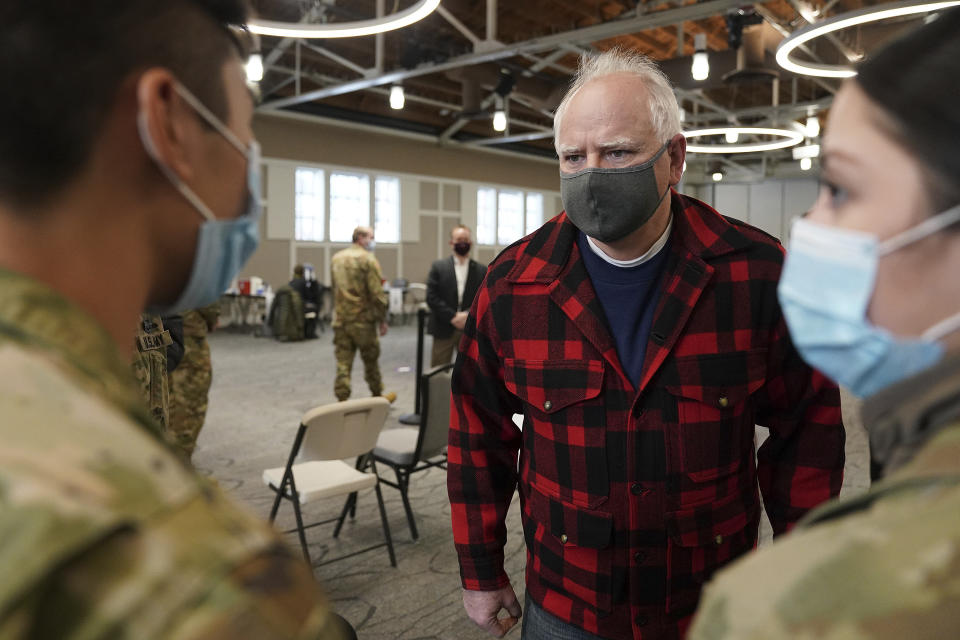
(844, 21)
(790, 138)
(400, 19)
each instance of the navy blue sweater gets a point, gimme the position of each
(629, 297)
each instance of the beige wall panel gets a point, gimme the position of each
(429, 196)
(417, 257)
(270, 262)
(387, 256)
(409, 210)
(281, 185)
(451, 198)
(315, 256)
(284, 137)
(485, 256)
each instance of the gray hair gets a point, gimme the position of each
(664, 110)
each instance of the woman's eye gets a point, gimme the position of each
(838, 195)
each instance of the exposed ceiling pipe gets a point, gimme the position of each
(491, 20)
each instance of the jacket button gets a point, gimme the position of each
(636, 489)
(563, 538)
(639, 557)
(547, 405)
(723, 402)
(718, 539)
(641, 621)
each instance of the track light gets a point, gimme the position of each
(499, 120)
(732, 136)
(805, 164)
(254, 68)
(717, 176)
(500, 115)
(397, 97)
(813, 127)
(701, 62)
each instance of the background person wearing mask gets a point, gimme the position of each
(639, 335)
(451, 286)
(871, 295)
(129, 183)
(360, 313)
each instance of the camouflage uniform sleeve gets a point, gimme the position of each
(884, 569)
(211, 315)
(379, 298)
(205, 571)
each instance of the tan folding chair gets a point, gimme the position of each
(408, 450)
(315, 468)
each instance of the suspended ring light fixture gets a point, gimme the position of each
(397, 20)
(790, 138)
(844, 21)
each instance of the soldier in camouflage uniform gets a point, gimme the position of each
(140, 175)
(190, 381)
(360, 312)
(884, 565)
(150, 367)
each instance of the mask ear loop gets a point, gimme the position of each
(174, 179)
(926, 228)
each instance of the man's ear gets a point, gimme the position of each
(167, 122)
(678, 154)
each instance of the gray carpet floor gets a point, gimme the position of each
(260, 390)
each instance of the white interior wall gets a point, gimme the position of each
(770, 205)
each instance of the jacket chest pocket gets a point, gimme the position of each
(715, 417)
(564, 427)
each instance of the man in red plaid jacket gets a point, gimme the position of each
(635, 462)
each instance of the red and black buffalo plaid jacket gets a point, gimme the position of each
(632, 497)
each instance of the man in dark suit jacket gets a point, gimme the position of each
(451, 287)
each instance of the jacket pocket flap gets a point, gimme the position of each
(710, 524)
(553, 385)
(571, 525)
(720, 380)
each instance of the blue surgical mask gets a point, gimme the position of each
(223, 245)
(825, 290)
(371, 245)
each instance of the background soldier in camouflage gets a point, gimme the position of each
(150, 367)
(360, 308)
(104, 532)
(190, 381)
(884, 565)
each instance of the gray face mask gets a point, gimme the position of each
(610, 204)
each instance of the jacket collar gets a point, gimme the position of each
(902, 418)
(551, 257)
(698, 229)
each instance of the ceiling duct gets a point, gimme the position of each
(751, 59)
(746, 33)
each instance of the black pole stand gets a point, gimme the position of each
(414, 418)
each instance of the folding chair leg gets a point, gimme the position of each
(276, 505)
(403, 481)
(300, 531)
(350, 502)
(386, 526)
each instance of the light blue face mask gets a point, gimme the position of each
(223, 246)
(825, 289)
(371, 245)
